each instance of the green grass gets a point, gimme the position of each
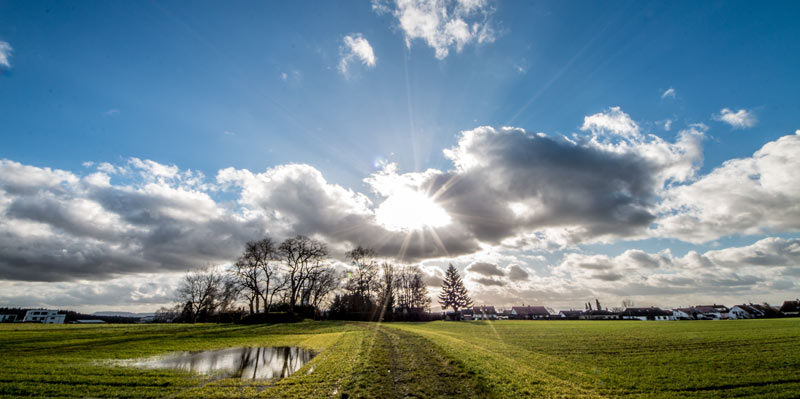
(505, 359)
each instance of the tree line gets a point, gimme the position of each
(297, 277)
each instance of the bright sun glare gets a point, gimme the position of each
(411, 210)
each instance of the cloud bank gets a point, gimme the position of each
(508, 190)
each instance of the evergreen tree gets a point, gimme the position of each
(454, 294)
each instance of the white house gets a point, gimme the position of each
(650, 313)
(751, 311)
(46, 316)
(712, 312)
(8, 318)
(484, 313)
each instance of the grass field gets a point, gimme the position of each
(505, 359)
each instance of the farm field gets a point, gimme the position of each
(503, 359)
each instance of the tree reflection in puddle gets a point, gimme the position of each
(245, 363)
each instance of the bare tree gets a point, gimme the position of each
(627, 303)
(247, 277)
(199, 291)
(364, 276)
(386, 294)
(301, 256)
(322, 282)
(410, 290)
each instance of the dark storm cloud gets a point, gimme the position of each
(553, 183)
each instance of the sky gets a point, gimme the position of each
(554, 152)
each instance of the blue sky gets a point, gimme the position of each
(206, 86)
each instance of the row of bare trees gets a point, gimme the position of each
(295, 272)
(379, 290)
(298, 273)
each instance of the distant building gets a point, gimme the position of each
(570, 314)
(484, 313)
(791, 308)
(8, 318)
(711, 312)
(46, 316)
(529, 313)
(599, 315)
(93, 321)
(650, 313)
(753, 311)
(684, 314)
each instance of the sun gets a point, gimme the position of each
(409, 210)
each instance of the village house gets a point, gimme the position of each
(484, 313)
(8, 318)
(791, 308)
(529, 313)
(46, 316)
(684, 314)
(752, 311)
(711, 312)
(570, 314)
(599, 315)
(651, 313)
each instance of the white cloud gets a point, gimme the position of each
(5, 54)
(741, 119)
(669, 93)
(613, 121)
(356, 47)
(441, 24)
(750, 195)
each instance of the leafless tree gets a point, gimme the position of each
(410, 290)
(627, 303)
(364, 277)
(256, 272)
(386, 294)
(320, 283)
(247, 277)
(199, 291)
(301, 256)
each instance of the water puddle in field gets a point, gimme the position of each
(244, 363)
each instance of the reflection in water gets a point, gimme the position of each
(244, 363)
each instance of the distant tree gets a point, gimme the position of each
(301, 256)
(386, 295)
(320, 283)
(167, 314)
(363, 280)
(200, 291)
(454, 295)
(627, 303)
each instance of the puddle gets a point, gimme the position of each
(244, 363)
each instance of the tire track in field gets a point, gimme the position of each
(397, 365)
(555, 386)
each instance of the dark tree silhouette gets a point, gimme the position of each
(302, 256)
(454, 295)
